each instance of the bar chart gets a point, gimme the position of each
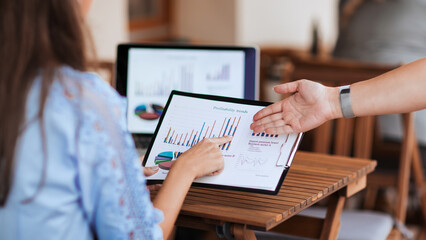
(226, 127)
(221, 75)
(162, 83)
(264, 135)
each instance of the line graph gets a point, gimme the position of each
(245, 162)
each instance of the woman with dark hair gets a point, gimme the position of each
(68, 166)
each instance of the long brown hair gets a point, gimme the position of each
(35, 35)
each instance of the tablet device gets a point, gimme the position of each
(253, 162)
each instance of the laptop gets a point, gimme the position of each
(147, 73)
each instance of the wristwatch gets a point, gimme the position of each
(345, 101)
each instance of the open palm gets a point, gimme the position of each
(308, 107)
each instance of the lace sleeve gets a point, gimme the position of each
(113, 189)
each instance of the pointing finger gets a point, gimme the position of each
(221, 140)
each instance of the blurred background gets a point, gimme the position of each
(273, 22)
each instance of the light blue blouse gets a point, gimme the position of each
(93, 183)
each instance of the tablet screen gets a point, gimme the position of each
(253, 162)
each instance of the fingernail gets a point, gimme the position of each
(154, 168)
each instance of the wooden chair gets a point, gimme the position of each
(270, 56)
(355, 136)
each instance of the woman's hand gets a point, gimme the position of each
(204, 158)
(149, 171)
(310, 105)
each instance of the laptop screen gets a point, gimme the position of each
(147, 74)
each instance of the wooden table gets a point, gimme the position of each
(312, 177)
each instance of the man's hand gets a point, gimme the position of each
(310, 105)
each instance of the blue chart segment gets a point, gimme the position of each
(228, 127)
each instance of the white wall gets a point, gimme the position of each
(108, 21)
(262, 22)
(205, 20)
(286, 22)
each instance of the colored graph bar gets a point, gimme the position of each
(183, 143)
(165, 140)
(222, 74)
(231, 126)
(226, 127)
(263, 135)
(212, 128)
(193, 140)
(206, 132)
(233, 133)
(180, 139)
(171, 136)
(223, 147)
(189, 139)
(201, 132)
(223, 124)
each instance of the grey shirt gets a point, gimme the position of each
(393, 32)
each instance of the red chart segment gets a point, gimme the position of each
(149, 112)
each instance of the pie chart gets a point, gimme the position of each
(166, 165)
(149, 111)
(164, 157)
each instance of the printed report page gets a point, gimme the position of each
(251, 160)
